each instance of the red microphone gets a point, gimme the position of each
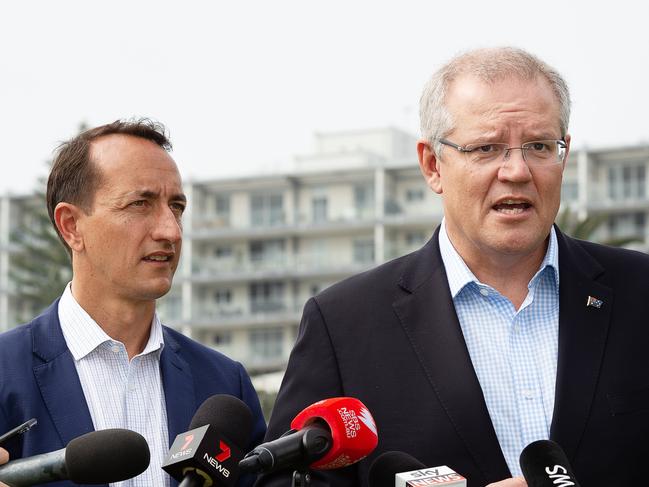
(332, 433)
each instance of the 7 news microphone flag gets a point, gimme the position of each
(209, 453)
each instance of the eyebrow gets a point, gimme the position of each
(150, 194)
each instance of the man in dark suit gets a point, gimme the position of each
(99, 357)
(500, 330)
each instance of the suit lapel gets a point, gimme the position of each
(57, 378)
(582, 339)
(438, 343)
(178, 386)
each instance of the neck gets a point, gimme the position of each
(509, 274)
(126, 321)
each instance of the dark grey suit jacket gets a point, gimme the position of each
(391, 338)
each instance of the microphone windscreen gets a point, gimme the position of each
(387, 465)
(353, 430)
(228, 415)
(105, 456)
(544, 464)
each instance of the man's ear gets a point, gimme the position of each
(429, 166)
(567, 139)
(66, 217)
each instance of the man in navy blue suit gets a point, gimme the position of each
(99, 357)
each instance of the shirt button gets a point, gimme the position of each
(527, 394)
(484, 292)
(115, 348)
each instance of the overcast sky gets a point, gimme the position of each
(243, 85)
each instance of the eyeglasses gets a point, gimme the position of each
(537, 152)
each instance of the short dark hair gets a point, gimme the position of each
(74, 178)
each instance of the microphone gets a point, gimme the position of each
(544, 463)
(332, 433)
(98, 457)
(209, 453)
(398, 469)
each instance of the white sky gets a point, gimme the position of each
(242, 85)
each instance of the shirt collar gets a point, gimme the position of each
(83, 335)
(459, 274)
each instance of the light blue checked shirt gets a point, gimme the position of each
(514, 353)
(120, 393)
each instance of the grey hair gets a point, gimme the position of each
(489, 65)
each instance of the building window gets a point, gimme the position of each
(627, 225)
(319, 209)
(363, 251)
(222, 338)
(268, 253)
(222, 205)
(223, 296)
(570, 191)
(363, 196)
(415, 238)
(267, 297)
(170, 307)
(266, 209)
(267, 343)
(414, 195)
(223, 252)
(627, 182)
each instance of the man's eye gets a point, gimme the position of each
(178, 207)
(539, 146)
(485, 149)
(138, 203)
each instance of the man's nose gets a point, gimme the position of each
(514, 167)
(167, 226)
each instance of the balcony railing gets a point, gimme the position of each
(245, 314)
(297, 263)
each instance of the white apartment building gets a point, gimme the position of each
(256, 248)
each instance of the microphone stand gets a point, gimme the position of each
(301, 479)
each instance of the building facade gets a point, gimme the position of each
(256, 248)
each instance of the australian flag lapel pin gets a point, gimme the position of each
(594, 302)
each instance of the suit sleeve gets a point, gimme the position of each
(312, 374)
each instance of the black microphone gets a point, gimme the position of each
(209, 453)
(387, 465)
(545, 464)
(98, 457)
(398, 469)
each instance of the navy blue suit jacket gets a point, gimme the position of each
(38, 379)
(391, 338)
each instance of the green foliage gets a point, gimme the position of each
(585, 229)
(40, 267)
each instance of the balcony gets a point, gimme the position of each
(217, 228)
(206, 270)
(264, 313)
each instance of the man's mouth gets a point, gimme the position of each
(512, 207)
(158, 258)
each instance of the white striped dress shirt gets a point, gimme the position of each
(120, 393)
(514, 352)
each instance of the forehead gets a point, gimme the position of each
(506, 103)
(125, 161)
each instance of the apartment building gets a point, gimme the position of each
(256, 248)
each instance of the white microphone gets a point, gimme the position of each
(398, 469)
